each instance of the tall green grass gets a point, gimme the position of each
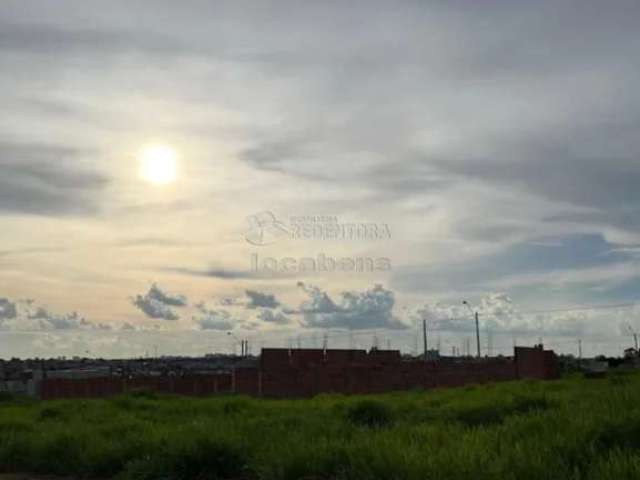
(575, 428)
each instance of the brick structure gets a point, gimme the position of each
(536, 363)
(295, 373)
(285, 373)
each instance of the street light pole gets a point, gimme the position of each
(424, 337)
(635, 335)
(475, 315)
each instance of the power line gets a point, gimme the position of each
(580, 308)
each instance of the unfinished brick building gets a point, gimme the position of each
(295, 373)
(285, 373)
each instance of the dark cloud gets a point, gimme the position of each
(558, 174)
(318, 302)
(269, 316)
(173, 300)
(261, 300)
(157, 304)
(529, 257)
(47, 180)
(213, 273)
(214, 319)
(293, 156)
(215, 323)
(43, 39)
(228, 302)
(226, 274)
(7, 309)
(153, 308)
(26, 315)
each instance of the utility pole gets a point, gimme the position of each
(475, 316)
(635, 335)
(477, 334)
(424, 337)
(580, 349)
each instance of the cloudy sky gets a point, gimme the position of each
(171, 171)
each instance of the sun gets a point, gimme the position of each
(158, 164)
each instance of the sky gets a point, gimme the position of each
(177, 176)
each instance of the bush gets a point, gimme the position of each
(143, 393)
(485, 415)
(6, 397)
(482, 415)
(49, 413)
(622, 436)
(202, 459)
(369, 413)
(235, 406)
(619, 381)
(524, 404)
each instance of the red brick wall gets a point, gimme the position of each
(246, 381)
(285, 373)
(536, 363)
(383, 371)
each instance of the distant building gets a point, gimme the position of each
(594, 366)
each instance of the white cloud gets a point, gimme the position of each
(372, 308)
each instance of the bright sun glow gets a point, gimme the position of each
(158, 164)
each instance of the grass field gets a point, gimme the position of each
(573, 428)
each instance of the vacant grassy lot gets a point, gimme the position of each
(569, 429)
